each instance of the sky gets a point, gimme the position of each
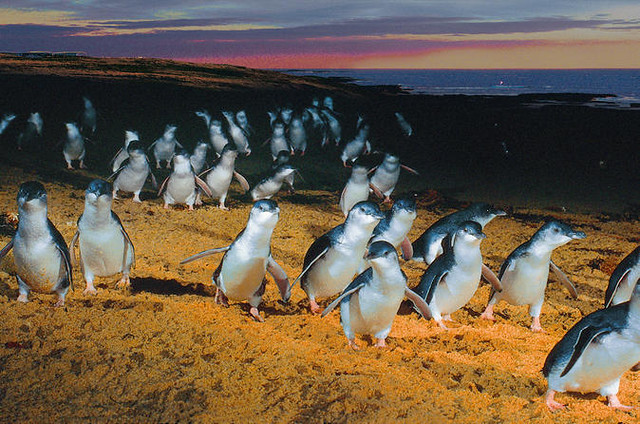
(428, 34)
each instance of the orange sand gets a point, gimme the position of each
(166, 352)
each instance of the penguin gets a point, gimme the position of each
(132, 175)
(219, 176)
(334, 129)
(396, 225)
(281, 159)
(623, 280)
(333, 259)
(278, 141)
(328, 103)
(269, 186)
(74, 148)
(217, 136)
(105, 247)
(165, 146)
(429, 245)
(360, 144)
(180, 186)
(297, 135)
(89, 118)
(243, 122)
(123, 154)
(595, 352)
(241, 273)
(405, 126)
(40, 253)
(386, 175)
(286, 113)
(199, 157)
(205, 115)
(356, 190)
(6, 120)
(524, 273)
(237, 134)
(370, 303)
(32, 130)
(452, 279)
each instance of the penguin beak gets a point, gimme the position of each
(499, 212)
(577, 235)
(481, 236)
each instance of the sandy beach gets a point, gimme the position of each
(163, 351)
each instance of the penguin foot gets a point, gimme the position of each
(157, 165)
(124, 282)
(315, 309)
(70, 167)
(59, 303)
(223, 207)
(168, 164)
(441, 325)
(220, 298)
(82, 165)
(552, 404)
(488, 315)
(447, 318)
(190, 207)
(535, 326)
(90, 291)
(382, 343)
(614, 402)
(166, 206)
(23, 298)
(136, 198)
(256, 314)
(387, 200)
(353, 345)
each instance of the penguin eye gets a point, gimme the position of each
(556, 230)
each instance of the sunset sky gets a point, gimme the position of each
(336, 34)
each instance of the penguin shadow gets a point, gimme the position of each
(169, 287)
(7, 290)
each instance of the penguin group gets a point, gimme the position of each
(355, 265)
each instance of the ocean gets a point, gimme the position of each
(623, 83)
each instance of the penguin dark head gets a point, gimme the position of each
(405, 204)
(32, 193)
(557, 233)
(265, 213)
(229, 150)
(170, 130)
(379, 249)
(282, 157)
(284, 170)
(98, 191)
(202, 145)
(471, 229)
(367, 211)
(130, 136)
(484, 210)
(135, 145)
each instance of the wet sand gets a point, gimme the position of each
(165, 352)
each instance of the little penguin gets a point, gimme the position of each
(32, 130)
(396, 225)
(165, 146)
(131, 176)
(199, 157)
(105, 246)
(405, 126)
(429, 245)
(359, 145)
(278, 141)
(334, 129)
(123, 153)
(241, 273)
(217, 136)
(452, 279)
(74, 148)
(370, 303)
(269, 186)
(89, 118)
(205, 115)
(219, 176)
(334, 258)
(6, 120)
(243, 122)
(623, 280)
(238, 135)
(297, 135)
(386, 175)
(40, 253)
(180, 186)
(595, 352)
(356, 190)
(524, 273)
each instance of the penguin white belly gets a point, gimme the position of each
(219, 181)
(243, 279)
(457, 289)
(267, 189)
(625, 289)
(74, 150)
(354, 193)
(526, 284)
(386, 181)
(278, 144)
(102, 251)
(218, 142)
(39, 264)
(371, 311)
(131, 180)
(600, 365)
(333, 273)
(181, 188)
(163, 150)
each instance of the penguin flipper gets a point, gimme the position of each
(151, 146)
(619, 274)
(204, 254)
(58, 240)
(418, 302)
(113, 159)
(6, 249)
(72, 251)
(413, 171)
(317, 250)
(242, 180)
(491, 278)
(128, 242)
(203, 186)
(376, 191)
(117, 171)
(564, 279)
(432, 277)
(353, 287)
(587, 335)
(163, 186)
(407, 249)
(280, 277)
